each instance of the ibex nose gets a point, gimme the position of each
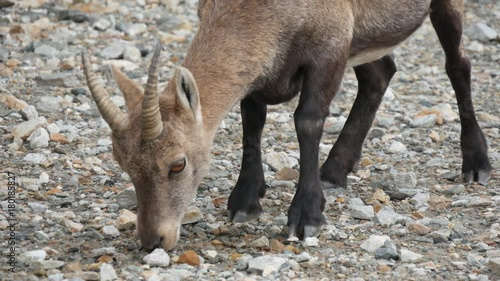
(166, 237)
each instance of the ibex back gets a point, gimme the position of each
(265, 52)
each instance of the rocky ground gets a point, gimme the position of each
(405, 215)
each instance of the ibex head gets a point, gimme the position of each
(160, 143)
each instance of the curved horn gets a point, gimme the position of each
(152, 125)
(116, 119)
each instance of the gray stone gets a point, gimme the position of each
(482, 32)
(374, 242)
(396, 147)
(425, 121)
(157, 258)
(38, 207)
(104, 142)
(266, 264)
(398, 186)
(107, 272)
(279, 160)
(440, 236)
(494, 265)
(127, 199)
(362, 212)
(409, 256)
(101, 24)
(52, 128)
(304, 256)
(135, 29)
(39, 138)
(388, 251)
(387, 216)
(242, 262)
(65, 80)
(175, 274)
(260, 242)
(50, 264)
(24, 129)
(35, 158)
(46, 51)
(29, 112)
(111, 230)
(454, 189)
(356, 202)
(103, 251)
(36, 255)
(113, 51)
(132, 53)
(420, 199)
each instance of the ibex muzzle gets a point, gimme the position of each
(266, 52)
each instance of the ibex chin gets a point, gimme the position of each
(266, 52)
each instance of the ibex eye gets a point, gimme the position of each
(178, 166)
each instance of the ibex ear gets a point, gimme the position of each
(132, 92)
(187, 92)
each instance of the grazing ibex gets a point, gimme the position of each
(265, 52)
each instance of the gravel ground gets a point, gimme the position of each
(405, 215)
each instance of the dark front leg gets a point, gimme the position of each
(446, 17)
(243, 204)
(373, 79)
(305, 215)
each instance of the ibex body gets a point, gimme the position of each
(266, 52)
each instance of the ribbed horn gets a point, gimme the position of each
(152, 125)
(116, 119)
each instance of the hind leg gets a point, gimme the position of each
(373, 79)
(446, 17)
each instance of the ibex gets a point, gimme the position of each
(260, 52)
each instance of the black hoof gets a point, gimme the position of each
(335, 174)
(305, 215)
(243, 204)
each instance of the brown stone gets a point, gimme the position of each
(276, 245)
(189, 257)
(287, 174)
(419, 229)
(57, 137)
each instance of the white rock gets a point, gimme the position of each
(266, 264)
(110, 230)
(113, 51)
(260, 242)
(279, 160)
(311, 242)
(126, 220)
(36, 255)
(24, 129)
(494, 265)
(425, 121)
(449, 115)
(362, 212)
(387, 216)
(35, 158)
(482, 32)
(397, 147)
(125, 64)
(157, 258)
(420, 199)
(53, 128)
(104, 142)
(132, 53)
(374, 242)
(39, 138)
(407, 255)
(107, 272)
